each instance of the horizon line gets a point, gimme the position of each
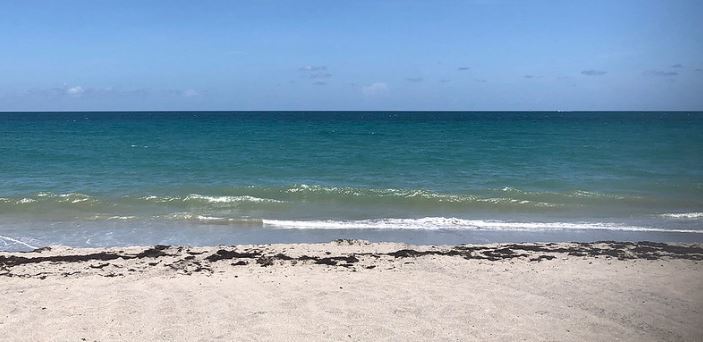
(350, 111)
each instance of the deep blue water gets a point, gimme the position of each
(205, 178)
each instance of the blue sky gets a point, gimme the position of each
(351, 55)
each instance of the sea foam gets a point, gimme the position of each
(229, 199)
(217, 220)
(444, 223)
(683, 216)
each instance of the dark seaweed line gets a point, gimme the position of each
(610, 249)
(13, 260)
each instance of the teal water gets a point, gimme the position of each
(204, 178)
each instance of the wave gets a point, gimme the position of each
(576, 194)
(443, 223)
(245, 221)
(208, 199)
(8, 241)
(328, 199)
(159, 199)
(401, 195)
(683, 216)
(71, 198)
(229, 199)
(112, 217)
(540, 198)
(48, 198)
(359, 192)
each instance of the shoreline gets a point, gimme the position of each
(342, 252)
(356, 290)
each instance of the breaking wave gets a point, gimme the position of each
(442, 223)
(683, 216)
(229, 199)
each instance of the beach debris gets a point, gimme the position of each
(226, 255)
(186, 261)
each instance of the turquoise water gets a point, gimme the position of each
(204, 178)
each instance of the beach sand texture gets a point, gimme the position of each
(355, 291)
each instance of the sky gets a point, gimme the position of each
(473, 55)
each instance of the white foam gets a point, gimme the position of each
(160, 199)
(121, 217)
(682, 215)
(400, 193)
(573, 194)
(443, 223)
(111, 218)
(229, 199)
(592, 194)
(17, 242)
(217, 220)
(75, 198)
(72, 197)
(500, 200)
(26, 201)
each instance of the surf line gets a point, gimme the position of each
(17, 241)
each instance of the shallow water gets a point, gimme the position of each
(94, 179)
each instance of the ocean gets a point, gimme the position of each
(90, 179)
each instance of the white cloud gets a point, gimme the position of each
(374, 89)
(315, 72)
(190, 93)
(313, 68)
(75, 91)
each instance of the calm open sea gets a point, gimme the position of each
(98, 179)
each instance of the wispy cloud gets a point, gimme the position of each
(660, 73)
(529, 77)
(190, 93)
(320, 75)
(80, 91)
(315, 72)
(375, 89)
(463, 68)
(677, 66)
(592, 72)
(308, 68)
(414, 79)
(75, 91)
(319, 83)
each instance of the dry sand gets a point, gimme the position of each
(355, 291)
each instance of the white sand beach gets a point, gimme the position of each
(354, 291)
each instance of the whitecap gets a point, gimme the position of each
(229, 199)
(216, 220)
(111, 218)
(121, 217)
(684, 216)
(443, 223)
(159, 199)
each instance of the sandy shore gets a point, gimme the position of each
(354, 290)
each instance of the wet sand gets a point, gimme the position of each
(355, 290)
